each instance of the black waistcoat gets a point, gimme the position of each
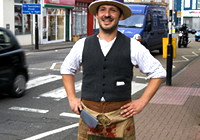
(108, 76)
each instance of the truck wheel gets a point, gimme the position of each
(161, 50)
(18, 86)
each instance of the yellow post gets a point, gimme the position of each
(165, 43)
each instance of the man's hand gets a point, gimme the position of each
(137, 106)
(133, 108)
(75, 103)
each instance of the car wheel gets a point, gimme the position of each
(196, 40)
(18, 86)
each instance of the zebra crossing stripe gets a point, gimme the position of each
(42, 80)
(28, 109)
(137, 87)
(45, 134)
(73, 115)
(60, 93)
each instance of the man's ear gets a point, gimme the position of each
(96, 15)
(121, 17)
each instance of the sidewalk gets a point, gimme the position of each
(47, 47)
(174, 112)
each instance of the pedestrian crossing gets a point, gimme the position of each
(56, 95)
(59, 93)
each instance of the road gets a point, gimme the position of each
(44, 113)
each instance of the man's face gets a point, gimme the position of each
(108, 17)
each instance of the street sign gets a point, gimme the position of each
(31, 8)
(178, 14)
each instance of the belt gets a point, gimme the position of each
(104, 106)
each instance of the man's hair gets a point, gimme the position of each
(121, 12)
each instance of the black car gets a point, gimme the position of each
(13, 67)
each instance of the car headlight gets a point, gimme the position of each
(137, 37)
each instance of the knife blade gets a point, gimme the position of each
(89, 120)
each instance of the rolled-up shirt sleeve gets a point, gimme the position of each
(141, 57)
(73, 60)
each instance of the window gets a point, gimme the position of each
(193, 4)
(187, 4)
(5, 40)
(198, 4)
(134, 21)
(80, 19)
(22, 22)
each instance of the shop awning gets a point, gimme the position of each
(68, 4)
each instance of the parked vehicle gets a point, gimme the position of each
(13, 69)
(177, 28)
(148, 24)
(197, 36)
(182, 39)
(190, 30)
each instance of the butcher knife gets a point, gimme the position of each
(89, 120)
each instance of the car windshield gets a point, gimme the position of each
(135, 21)
(198, 30)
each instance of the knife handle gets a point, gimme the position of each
(80, 110)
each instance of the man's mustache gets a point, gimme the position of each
(108, 17)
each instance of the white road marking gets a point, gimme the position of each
(140, 77)
(195, 54)
(53, 65)
(73, 115)
(78, 86)
(37, 69)
(137, 87)
(42, 80)
(60, 93)
(28, 109)
(42, 135)
(185, 57)
(57, 94)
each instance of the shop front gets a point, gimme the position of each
(55, 21)
(82, 19)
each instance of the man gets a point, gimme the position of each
(184, 28)
(107, 59)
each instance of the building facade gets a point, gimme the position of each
(187, 11)
(59, 20)
(191, 13)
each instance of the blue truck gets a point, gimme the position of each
(148, 24)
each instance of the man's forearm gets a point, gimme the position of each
(68, 82)
(151, 89)
(74, 102)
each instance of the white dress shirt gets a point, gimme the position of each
(140, 57)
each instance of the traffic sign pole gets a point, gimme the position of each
(169, 48)
(33, 9)
(36, 30)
